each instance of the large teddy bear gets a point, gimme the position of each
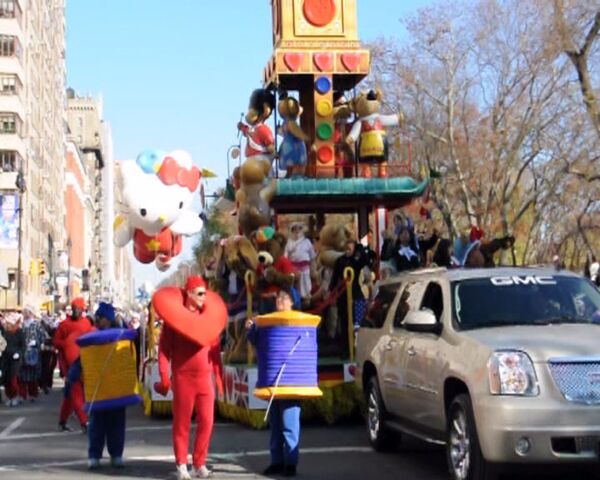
(333, 238)
(274, 270)
(254, 195)
(239, 257)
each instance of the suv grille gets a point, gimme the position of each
(579, 381)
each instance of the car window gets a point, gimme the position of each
(410, 298)
(433, 300)
(379, 307)
(524, 300)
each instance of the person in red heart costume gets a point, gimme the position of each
(64, 341)
(193, 319)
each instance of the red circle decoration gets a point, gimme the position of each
(201, 328)
(325, 154)
(319, 12)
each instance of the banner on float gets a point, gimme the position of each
(239, 383)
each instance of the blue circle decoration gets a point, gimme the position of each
(323, 85)
(149, 160)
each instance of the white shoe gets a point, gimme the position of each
(182, 473)
(201, 472)
(14, 402)
(8, 403)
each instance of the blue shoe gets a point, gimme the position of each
(117, 462)
(93, 463)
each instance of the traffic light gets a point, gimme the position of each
(41, 267)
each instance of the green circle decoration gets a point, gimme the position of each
(324, 131)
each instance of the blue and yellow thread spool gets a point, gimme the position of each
(280, 333)
(109, 369)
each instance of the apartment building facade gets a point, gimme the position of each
(32, 150)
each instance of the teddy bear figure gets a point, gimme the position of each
(254, 196)
(239, 257)
(274, 271)
(369, 130)
(343, 110)
(292, 152)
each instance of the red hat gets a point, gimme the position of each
(79, 303)
(193, 282)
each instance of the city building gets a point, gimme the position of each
(32, 150)
(106, 271)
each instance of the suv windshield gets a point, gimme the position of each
(524, 300)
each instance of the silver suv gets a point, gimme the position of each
(500, 365)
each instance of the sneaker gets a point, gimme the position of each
(182, 473)
(117, 462)
(289, 471)
(84, 428)
(93, 463)
(63, 427)
(15, 402)
(273, 469)
(201, 472)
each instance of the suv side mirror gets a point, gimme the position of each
(423, 321)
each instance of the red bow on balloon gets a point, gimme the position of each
(171, 172)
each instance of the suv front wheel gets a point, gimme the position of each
(463, 452)
(379, 436)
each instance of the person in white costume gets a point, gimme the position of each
(301, 253)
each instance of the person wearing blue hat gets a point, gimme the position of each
(105, 426)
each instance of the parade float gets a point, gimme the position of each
(326, 165)
(330, 143)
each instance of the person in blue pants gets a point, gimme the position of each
(105, 426)
(284, 415)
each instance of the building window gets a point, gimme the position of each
(10, 161)
(9, 84)
(12, 279)
(9, 46)
(10, 123)
(9, 8)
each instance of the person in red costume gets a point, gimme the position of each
(68, 331)
(192, 366)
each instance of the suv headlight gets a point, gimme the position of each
(512, 373)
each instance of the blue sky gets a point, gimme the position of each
(177, 74)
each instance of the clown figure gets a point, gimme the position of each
(301, 253)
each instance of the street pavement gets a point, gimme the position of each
(32, 448)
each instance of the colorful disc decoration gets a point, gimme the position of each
(323, 85)
(325, 154)
(324, 131)
(324, 108)
(319, 12)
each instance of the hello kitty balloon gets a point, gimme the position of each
(158, 189)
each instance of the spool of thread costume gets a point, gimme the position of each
(107, 364)
(189, 344)
(286, 346)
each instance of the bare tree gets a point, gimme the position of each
(578, 27)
